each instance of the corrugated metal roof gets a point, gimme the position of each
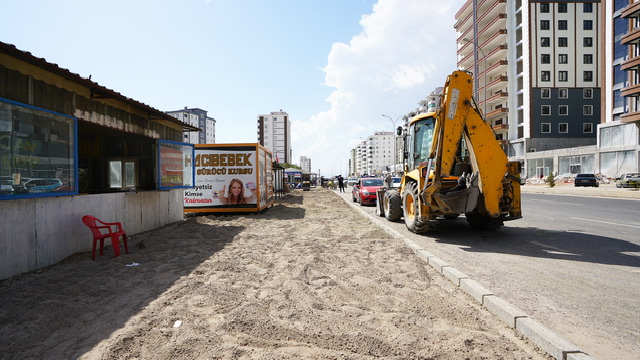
(95, 88)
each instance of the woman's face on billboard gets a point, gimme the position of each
(236, 189)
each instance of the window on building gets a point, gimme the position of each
(563, 128)
(562, 8)
(545, 128)
(563, 59)
(545, 76)
(587, 93)
(562, 25)
(563, 42)
(545, 59)
(563, 76)
(545, 110)
(587, 58)
(122, 174)
(37, 152)
(544, 8)
(545, 93)
(587, 75)
(587, 128)
(544, 25)
(563, 93)
(587, 25)
(563, 110)
(545, 42)
(587, 41)
(587, 110)
(587, 7)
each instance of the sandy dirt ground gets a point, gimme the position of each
(309, 278)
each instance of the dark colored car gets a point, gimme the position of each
(364, 191)
(628, 180)
(586, 180)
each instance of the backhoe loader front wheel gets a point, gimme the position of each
(410, 203)
(483, 222)
(392, 205)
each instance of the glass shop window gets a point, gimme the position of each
(37, 152)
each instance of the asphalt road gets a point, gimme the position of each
(572, 263)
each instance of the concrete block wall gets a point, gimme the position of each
(39, 232)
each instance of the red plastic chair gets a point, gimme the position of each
(113, 230)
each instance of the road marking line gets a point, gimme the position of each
(606, 222)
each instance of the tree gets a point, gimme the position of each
(287, 166)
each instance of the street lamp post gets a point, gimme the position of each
(393, 133)
(476, 48)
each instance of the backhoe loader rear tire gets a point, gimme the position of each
(410, 202)
(392, 205)
(484, 222)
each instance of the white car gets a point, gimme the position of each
(395, 182)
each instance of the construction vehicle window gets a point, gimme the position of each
(422, 141)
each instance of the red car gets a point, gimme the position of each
(364, 191)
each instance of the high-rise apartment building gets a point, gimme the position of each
(619, 136)
(539, 71)
(374, 156)
(274, 133)
(198, 118)
(305, 164)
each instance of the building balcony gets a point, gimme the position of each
(493, 67)
(497, 112)
(492, 9)
(633, 90)
(631, 117)
(499, 127)
(499, 37)
(631, 10)
(632, 63)
(630, 37)
(499, 21)
(500, 96)
(497, 80)
(464, 22)
(465, 9)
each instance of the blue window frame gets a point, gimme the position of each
(38, 152)
(176, 168)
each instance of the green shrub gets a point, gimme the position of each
(551, 180)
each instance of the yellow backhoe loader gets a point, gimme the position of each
(453, 165)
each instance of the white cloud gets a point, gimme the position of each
(405, 50)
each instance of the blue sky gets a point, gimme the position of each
(335, 66)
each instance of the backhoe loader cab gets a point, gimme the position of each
(454, 165)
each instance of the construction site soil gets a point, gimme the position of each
(309, 278)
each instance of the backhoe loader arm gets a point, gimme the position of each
(458, 117)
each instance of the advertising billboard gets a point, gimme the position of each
(230, 178)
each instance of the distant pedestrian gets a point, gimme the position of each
(389, 181)
(341, 183)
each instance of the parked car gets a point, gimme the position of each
(364, 191)
(7, 187)
(586, 180)
(33, 186)
(351, 181)
(395, 182)
(628, 180)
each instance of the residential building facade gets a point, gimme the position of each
(198, 118)
(305, 164)
(374, 156)
(619, 136)
(274, 133)
(542, 85)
